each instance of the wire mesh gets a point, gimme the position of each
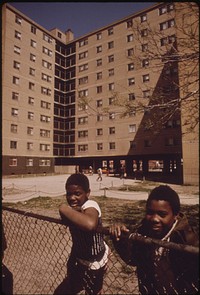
(38, 248)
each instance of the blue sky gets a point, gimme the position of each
(81, 17)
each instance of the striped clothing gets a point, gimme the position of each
(88, 246)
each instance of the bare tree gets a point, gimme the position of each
(176, 57)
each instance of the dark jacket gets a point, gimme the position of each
(171, 272)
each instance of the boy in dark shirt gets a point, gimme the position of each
(160, 270)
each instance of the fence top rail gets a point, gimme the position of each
(105, 230)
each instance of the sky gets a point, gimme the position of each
(81, 17)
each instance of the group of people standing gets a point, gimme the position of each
(159, 270)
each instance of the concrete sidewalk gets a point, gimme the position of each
(26, 188)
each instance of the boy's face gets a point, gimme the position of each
(159, 217)
(76, 196)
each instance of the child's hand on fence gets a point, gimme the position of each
(116, 230)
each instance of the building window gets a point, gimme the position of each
(131, 66)
(131, 96)
(130, 38)
(47, 51)
(30, 100)
(99, 117)
(83, 133)
(44, 162)
(33, 29)
(82, 120)
(46, 77)
(129, 23)
(145, 63)
(30, 130)
(31, 71)
(82, 147)
(131, 81)
(83, 80)
(83, 42)
(111, 45)
(167, 24)
(146, 93)
(83, 93)
(99, 36)
(29, 162)
(171, 141)
(47, 38)
(15, 96)
(132, 128)
(14, 112)
(147, 143)
(18, 20)
(16, 65)
(31, 86)
(112, 145)
(44, 118)
(44, 147)
(83, 67)
(32, 57)
(99, 146)
(17, 49)
(18, 35)
(33, 43)
(144, 47)
(166, 8)
(99, 62)
(59, 35)
(111, 58)
(99, 89)
(111, 86)
(45, 133)
(30, 115)
(143, 18)
(15, 80)
(83, 55)
(111, 116)
(167, 40)
(110, 31)
(29, 146)
(111, 100)
(111, 130)
(99, 76)
(99, 131)
(13, 128)
(130, 52)
(13, 144)
(145, 78)
(111, 72)
(144, 33)
(46, 64)
(99, 49)
(12, 162)
(99, 103)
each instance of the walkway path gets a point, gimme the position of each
(25, 188)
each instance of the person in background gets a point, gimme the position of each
(99, 171)
(88, 259)
(160, 270)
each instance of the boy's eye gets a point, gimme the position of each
(73, 194)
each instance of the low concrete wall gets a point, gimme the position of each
(64, 169)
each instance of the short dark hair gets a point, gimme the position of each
(166, 193)
(78, 179)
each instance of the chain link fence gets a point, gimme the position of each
(38, 248)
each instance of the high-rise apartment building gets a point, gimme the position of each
(91, 101)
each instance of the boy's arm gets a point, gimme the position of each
(123, 245)
(86, 220)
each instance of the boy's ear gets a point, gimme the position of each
(88, 193)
